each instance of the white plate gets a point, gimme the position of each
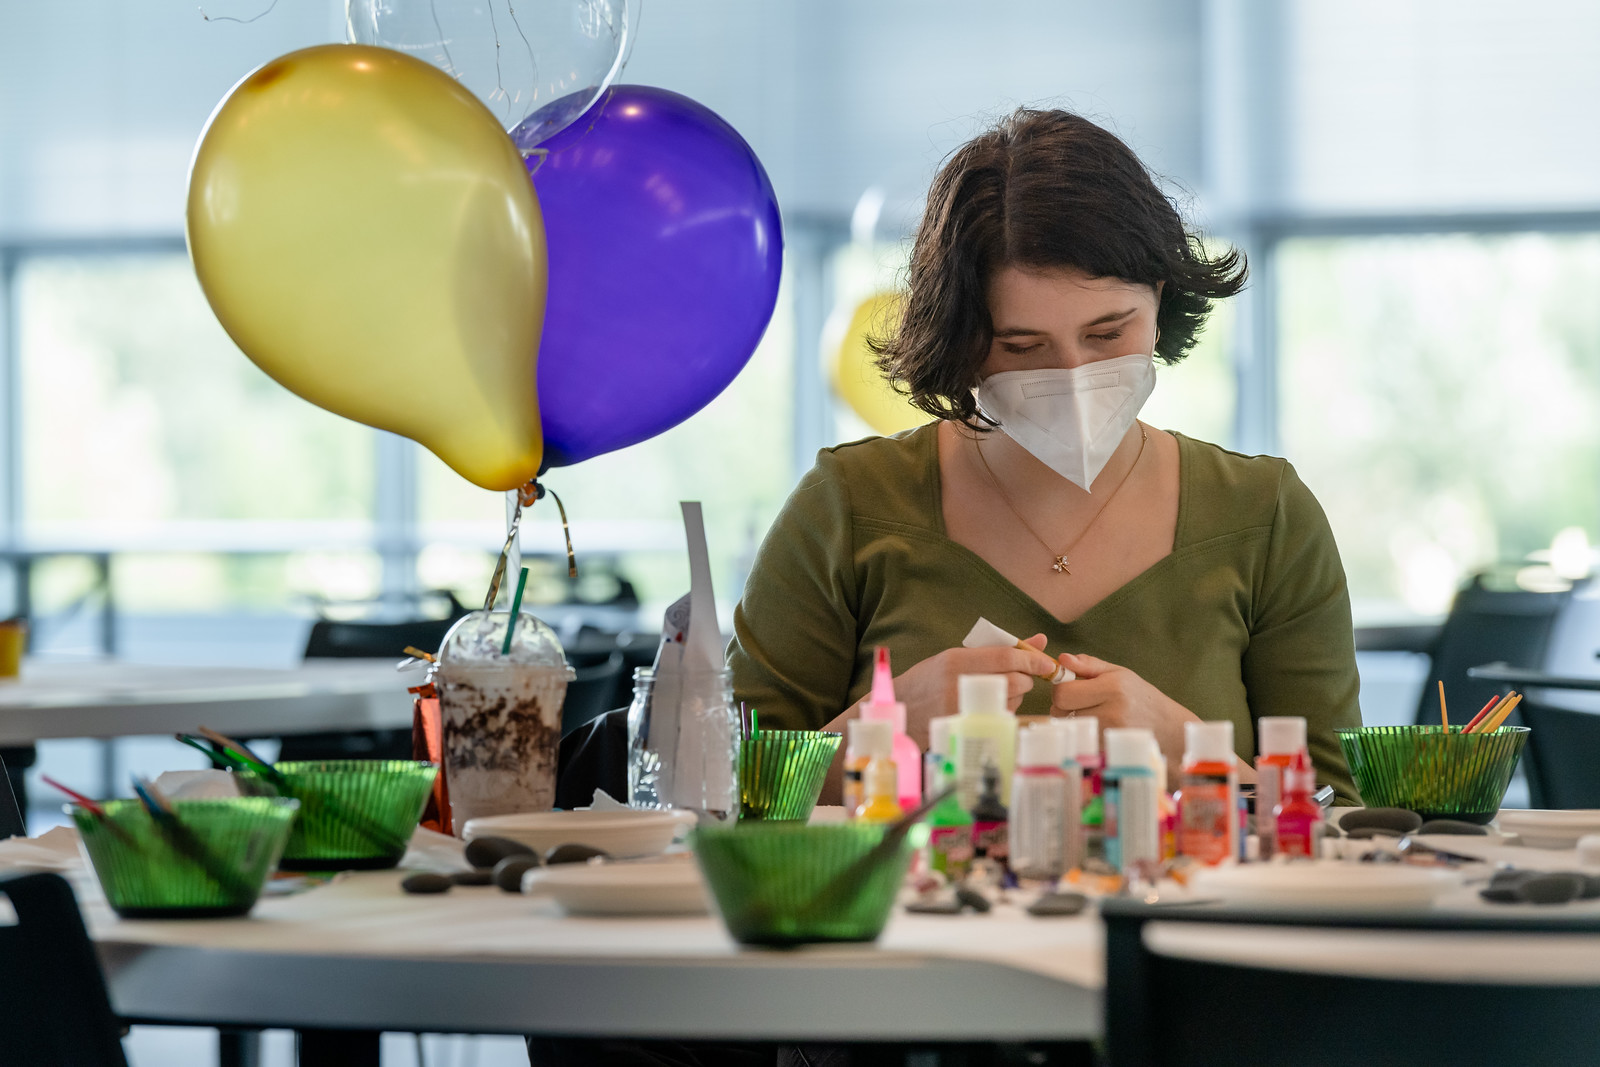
(666, 886)
(1549, 829)
(623, 834)
(1325, 885)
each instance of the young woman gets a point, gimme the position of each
(1178, 580)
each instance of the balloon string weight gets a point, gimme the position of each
(527, 496)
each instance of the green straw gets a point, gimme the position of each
(752, 722)
(516, 606)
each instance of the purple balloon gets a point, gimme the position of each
(665, 249)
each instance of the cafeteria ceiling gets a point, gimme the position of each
(1258, 107)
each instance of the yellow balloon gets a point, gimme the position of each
(857, 379)
(367, 234)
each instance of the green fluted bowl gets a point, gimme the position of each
(775, 882)
(1435, 772)
(781, 772)
(212, 861)
(354, 814)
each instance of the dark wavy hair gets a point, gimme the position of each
(1041, 190)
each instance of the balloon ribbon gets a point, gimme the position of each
(527, 496)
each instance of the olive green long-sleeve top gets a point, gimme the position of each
(1248, 616)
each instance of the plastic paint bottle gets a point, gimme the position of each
(949, 830)
(881, 705)
(864, 739)
(1298, 817)
(1066, 731)
(991, 838)
(1167, 804)
(883, 780)
(1132, 834)
(1092, 765)
(1208, 809)
(1280, 737)
(938, 752)
(1039, 805)
(984, 734)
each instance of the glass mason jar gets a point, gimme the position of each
(683, 745)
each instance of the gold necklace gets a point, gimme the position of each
(1059, 560)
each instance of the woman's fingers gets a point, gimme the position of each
(1083, 694)
(1086, 666)
(1002, 661)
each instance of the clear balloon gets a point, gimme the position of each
(854, 372)
(666, 247)
(366, 233)
(538, 65)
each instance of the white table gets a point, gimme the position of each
(105, 699)
(358, 954)
(361, 954)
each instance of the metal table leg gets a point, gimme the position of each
(337, 1048)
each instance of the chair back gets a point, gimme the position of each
(1486, 625)
(591, 693)
(54, 1011)
(1172, 1011)
(331, 639)
(12, 822)
(1563, 766)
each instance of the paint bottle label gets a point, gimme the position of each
(991, 838)
(1299, 831)
(1207, 814)
(973, 754)
(950, 851)
(1037, 837)
(1132, 818)
(1269, 792)
(855, 789)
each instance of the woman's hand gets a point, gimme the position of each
(1120, 698)
(928, 689)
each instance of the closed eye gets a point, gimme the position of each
(1020, 350)
(1112, 336)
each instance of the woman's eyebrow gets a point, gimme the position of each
(1018, 331)
(1112, 316)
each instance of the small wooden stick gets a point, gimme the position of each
(1483, 719)
(1500, 715)
(78, 798)
(227, 742)
(1483, 712)
(1444, 716)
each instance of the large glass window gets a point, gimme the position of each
(1439, 396)
(145, 431)
(733, 456)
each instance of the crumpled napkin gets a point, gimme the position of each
(433, 851)
(54, 850)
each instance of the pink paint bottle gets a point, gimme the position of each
(881, 706)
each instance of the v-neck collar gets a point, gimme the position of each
(935, 483)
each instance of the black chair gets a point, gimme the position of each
(591, 692)
(54, 1011)
(13, 822)
(1563, 766)
(1485, 625)
(1168, 1011)
(332, 639)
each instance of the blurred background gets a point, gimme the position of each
(1411, 179)
(1416, 183)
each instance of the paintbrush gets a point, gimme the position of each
(186, 844)
(332, 806)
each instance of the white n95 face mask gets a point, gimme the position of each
(1070, 418)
